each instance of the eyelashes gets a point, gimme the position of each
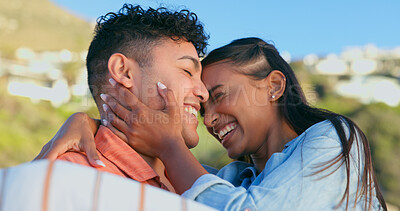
(188, 72)
(217, 96)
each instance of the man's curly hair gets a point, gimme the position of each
(134, 31)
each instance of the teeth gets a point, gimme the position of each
(225, 130)
(191, 110)
(221, 134)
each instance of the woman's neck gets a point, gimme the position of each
(276, 140)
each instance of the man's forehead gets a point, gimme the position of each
(176, 51)
(194, 60)
(178, 48)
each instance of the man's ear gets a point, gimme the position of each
(121, 69)
(276, 83)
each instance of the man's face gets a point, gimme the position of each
(176, 65)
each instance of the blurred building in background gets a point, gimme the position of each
(366, 73)
(54, 76)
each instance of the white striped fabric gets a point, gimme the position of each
(47, 186)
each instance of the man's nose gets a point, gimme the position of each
(200, 91)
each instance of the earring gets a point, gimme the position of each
(273, 96)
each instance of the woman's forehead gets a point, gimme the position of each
(216, 72)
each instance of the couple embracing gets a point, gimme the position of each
(148, 82)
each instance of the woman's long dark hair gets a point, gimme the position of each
(298, 113)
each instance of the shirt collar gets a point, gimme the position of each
(123, 156)
(291, 142)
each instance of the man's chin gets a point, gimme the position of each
(189, 120)
(192, 145)
(191, 138)
(189, 132)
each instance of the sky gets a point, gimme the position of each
(299, 27)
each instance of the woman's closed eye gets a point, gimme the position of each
(217, 96)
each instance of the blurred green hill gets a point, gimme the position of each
(26, 126)
(40, 25)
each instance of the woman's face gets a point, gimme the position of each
(239, 112)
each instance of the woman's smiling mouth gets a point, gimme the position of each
(223, 132)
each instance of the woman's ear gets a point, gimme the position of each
(122, 68)
(276, 83)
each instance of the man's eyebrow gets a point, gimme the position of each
(194, 60)
(214, 88)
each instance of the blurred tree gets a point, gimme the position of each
(380, 124)
(25, 127)
(71, 71)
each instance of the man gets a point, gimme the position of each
(138, 48)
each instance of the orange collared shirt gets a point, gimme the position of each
(119, 158)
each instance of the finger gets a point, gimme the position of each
(113, 106)
(169, 97)
(115, 131)
(162, 90)
(54, 151)
(125, 96)
(42, 152)
(115, 120)
(89, 147)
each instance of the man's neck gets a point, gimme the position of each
(158, 166)
(155, 163)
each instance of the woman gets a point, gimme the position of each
(300, 157)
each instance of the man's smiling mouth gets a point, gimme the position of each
(190, 109)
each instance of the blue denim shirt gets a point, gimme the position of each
(289, 180)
